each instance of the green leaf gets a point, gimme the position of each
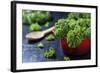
(50, 37)
(66, 58)
(35, 27)
(73, 39)
(40, 45)
(46, 24)
(50, 52)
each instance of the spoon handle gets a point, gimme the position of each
(49, 30)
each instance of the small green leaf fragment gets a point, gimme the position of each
(66, 58)
(40, 45)
(46, 24)
(50, 37)
(35, 27)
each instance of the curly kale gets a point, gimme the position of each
(75, 27)
(73, 39)
(61, 25)
(76, 15)
(73, 15)
(50, 52)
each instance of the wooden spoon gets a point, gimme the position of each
(38, 34)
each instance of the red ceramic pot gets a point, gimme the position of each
(81, 49)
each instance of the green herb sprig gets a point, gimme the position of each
(75, 27)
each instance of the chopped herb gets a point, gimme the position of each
(66, 58)
(50, 37)
(46, 24)
(35, 27)
(50, 52)
(40, 45)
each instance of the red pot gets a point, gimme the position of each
(81, 49)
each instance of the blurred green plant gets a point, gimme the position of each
(30, 16)
(35, 27)
(50, 37)
(46, 24)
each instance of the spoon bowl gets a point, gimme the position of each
(38, 34)
(35, 35)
